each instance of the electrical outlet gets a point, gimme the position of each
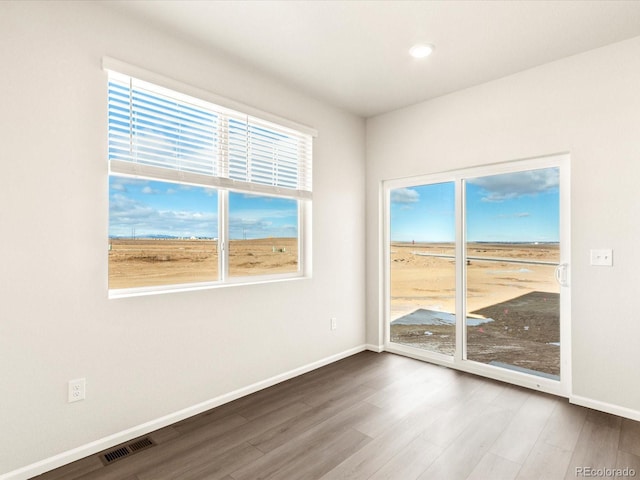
(334, 323)
(77, 389)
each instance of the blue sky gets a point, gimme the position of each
(424, 213)
(514, 207)
(262, 217)
(162, 208)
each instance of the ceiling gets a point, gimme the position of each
(354, 54)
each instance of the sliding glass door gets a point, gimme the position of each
(491, 242)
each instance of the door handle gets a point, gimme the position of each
(561, 274)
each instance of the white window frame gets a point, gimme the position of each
(223, 186)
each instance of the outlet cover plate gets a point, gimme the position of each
(602, 257)
(77, 390)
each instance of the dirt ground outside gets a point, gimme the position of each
(519, 294)
(154, 262)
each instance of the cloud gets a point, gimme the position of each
(127, 209)
(120, 183)
(126, 213)
(498, 188)
(404, 196)
(149, 191)
(249, 214)
(515, 215)
(246, 225)
(118, 187)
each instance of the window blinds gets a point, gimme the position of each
(159, 133)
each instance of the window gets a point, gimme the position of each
(200, 194)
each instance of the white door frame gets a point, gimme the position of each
(562, 162)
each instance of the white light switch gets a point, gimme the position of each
(602, 257)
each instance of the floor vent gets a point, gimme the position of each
(125, 451)
(140, 444)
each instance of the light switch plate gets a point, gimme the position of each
(602, 257)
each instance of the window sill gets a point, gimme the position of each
(192, 287)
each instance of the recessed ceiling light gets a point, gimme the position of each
(421, 50)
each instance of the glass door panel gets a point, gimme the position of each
(512, 252)
(422, 267)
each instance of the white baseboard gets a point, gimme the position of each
(605, 407)
(92, 448)
(374, 348)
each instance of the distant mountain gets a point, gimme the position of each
(158, 237)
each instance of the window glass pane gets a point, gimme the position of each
(513, 298)
(263, 235)
(423, 267)
(161, 233)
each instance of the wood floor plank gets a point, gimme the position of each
(626, 462)
(256, 404)
(364, 463)
(389, 418)
(489, 392)
(411, 461)
(455, 392)
(456, 420)
(396, 404)
(494, 467)
(405, 389)
(462, 456)
(597, 446)
(604, 419)
(296, 426)
(322, 457)
(164, 434)
(376, 375)
(318, 396)
(213, 424)
(307, 444)
(260, 408)
(202, 462)
(226, 440)
(512, 397)
(386, 371)
(564, 425)
(630, 436)
(545, 461)
(523, 431)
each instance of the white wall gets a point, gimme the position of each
(143, 357)
(588, 105)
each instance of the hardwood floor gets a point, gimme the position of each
(381, 416)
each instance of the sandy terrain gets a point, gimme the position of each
(521, 298)
(145, 262)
